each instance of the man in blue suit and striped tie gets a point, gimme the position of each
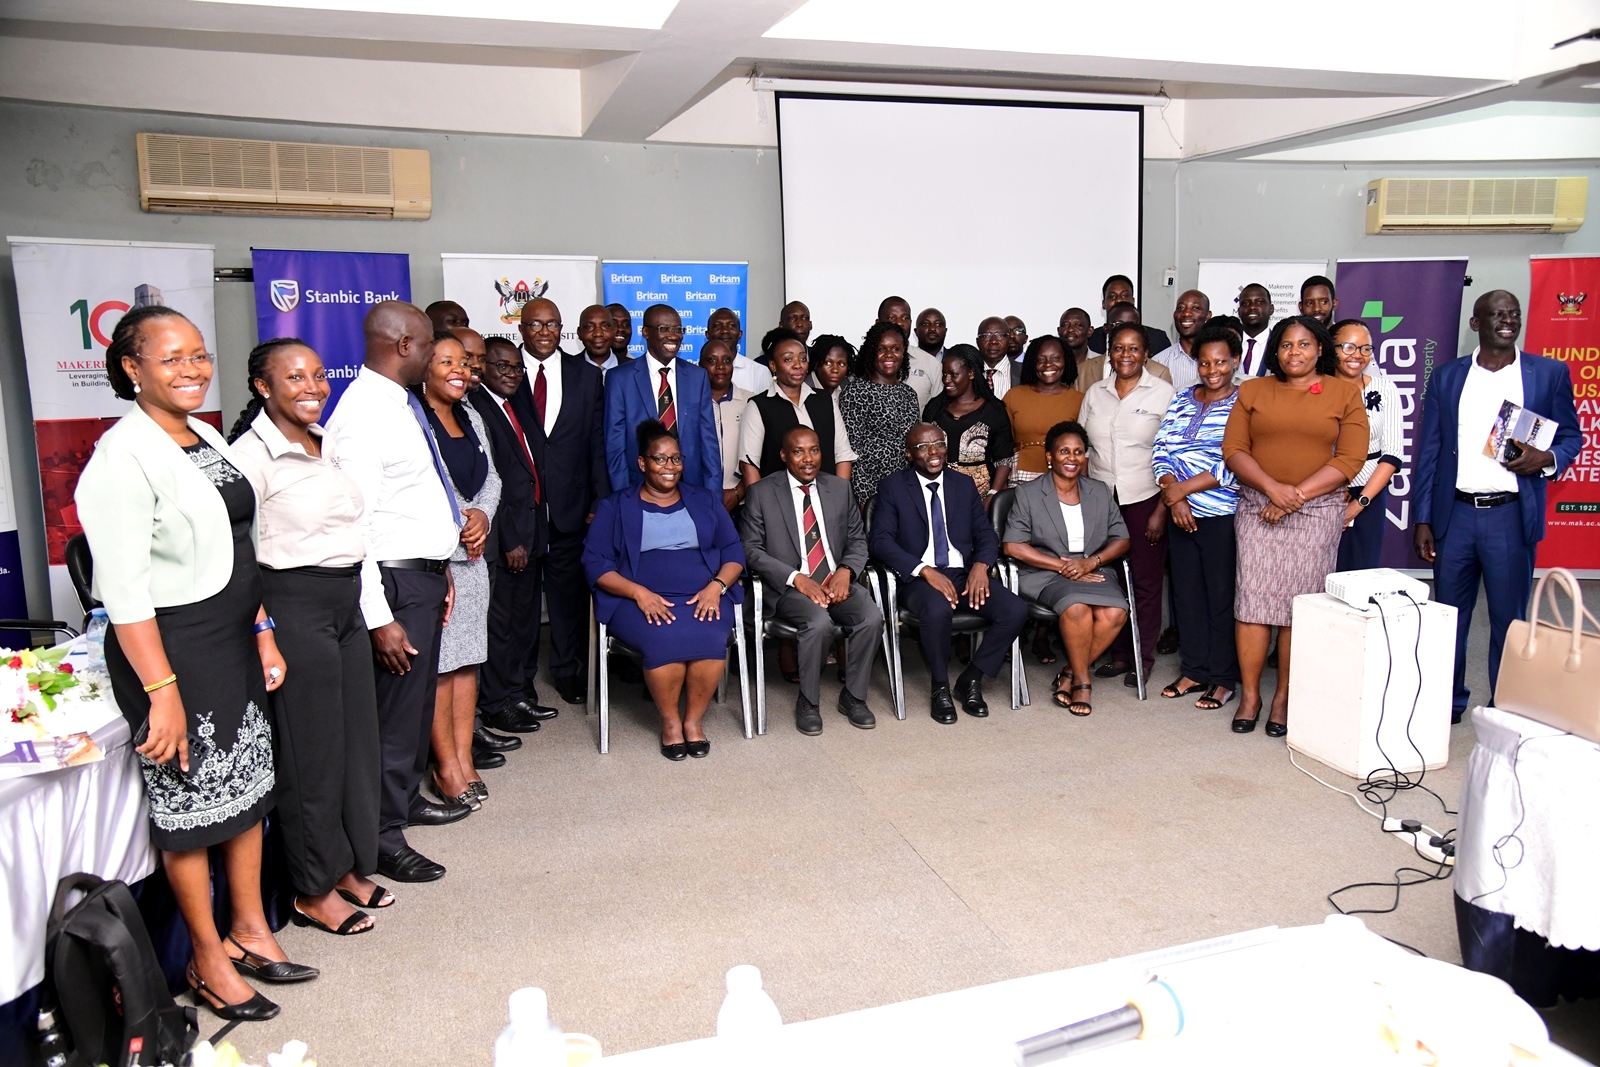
(662, 386)
(1480, 519)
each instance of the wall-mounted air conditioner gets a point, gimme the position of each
(1476, 205)
(229, 176)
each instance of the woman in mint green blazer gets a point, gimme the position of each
(191, 652)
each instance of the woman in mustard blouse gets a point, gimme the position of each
(1295, 438)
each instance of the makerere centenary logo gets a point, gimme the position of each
(512, 297)
(285, 293)
(1571, 303)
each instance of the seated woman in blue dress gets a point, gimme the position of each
(664, 560)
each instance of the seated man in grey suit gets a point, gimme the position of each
(803, 537)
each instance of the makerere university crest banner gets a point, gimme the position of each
(323, 299)
(493, 288)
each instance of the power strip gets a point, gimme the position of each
(1428, 842)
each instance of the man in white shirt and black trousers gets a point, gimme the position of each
(379, 437)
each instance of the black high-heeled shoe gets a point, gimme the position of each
(257, 1009)
(255, 965)
(467, 798)
(1275, 729)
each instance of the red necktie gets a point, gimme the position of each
(816, 558)
(538, 490)
(665, 408)
(1249, 352)
(990, 374)
(540, 392)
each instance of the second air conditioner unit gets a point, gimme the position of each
(231, 176)
(1476, 205)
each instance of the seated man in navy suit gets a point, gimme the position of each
(1479, 519)
(930, 528)
(676, 392)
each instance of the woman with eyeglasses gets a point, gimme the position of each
(191, 650)
(664, 561)
(1361, 544)
(1295, 438)
(879, 408)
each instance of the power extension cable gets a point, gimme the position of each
(1428, 843)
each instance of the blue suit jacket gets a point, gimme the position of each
(1546, 390)
(900, 529)
(631, 399)
(612, 543)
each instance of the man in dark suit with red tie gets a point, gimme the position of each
(561, 405)
(929, 527)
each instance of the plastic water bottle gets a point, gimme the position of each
(531, 1040)
(53, 1044)
(96, 634)
(748, 1024)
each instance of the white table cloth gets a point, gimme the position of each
(92, 818)
(1529, 839)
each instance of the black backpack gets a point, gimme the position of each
(111, 996)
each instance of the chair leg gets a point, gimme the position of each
(1016, 673)
(887, 595)
(603, 650)
(1133, 624)
(744, 680)
(759, 639)
(588, 699)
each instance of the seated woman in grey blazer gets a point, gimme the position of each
(1063, 530)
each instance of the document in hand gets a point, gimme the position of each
(1517, 423)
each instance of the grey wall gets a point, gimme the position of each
(72, 172)
(1314, 210)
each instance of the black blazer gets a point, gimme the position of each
(572, 459)
(900, 528)
(520, 521)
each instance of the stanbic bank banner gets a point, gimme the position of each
(694, 289)
(491, 289)
(323, 299)
(70, 295)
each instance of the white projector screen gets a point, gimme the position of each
(977, 209)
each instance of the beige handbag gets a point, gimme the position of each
(1550, 672)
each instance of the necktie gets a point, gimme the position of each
(541, 392)
(816, 558)
(666, 410)
(989, 374)
(516, 427)
(433, 450)
(941, 540)
(1249, 354)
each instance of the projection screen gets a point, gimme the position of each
(975, 208)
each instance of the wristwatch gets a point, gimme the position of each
(1363, 500)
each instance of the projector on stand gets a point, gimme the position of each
(1358, 588)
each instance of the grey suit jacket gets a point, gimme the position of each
(771, 530)
(1035, 519)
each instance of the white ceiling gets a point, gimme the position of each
(1225, 78)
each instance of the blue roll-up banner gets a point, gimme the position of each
(695, 289)
(323, 299)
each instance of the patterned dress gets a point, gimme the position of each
(877, 419)
(211, 646)
(979, 441)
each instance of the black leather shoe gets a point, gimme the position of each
(1167, 643)
(856, 711)
(1111, 670)
(1245, 726)
(485, 760)
(256, 1009)
(1275, 729)
(572, 690)
(535, 710)
(409, 865)
(942, 706)
(1130, 680)
(677, 752)
(426, 814)
(510, 721)
(970, 694)
(482, 735)
(698, 749)
(807, 717)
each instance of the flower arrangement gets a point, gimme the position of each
(225, 1055)
(33, 677)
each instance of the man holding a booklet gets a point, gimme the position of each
(1480, 487)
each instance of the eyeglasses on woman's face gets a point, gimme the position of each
(1350, 348)
(666, 459)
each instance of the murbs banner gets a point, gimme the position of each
(694, 289)
(323, 299)
(1563, 322)
(70, 294)
(1413, 309)
(493, 288)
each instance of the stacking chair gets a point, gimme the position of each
(999, 509)
(603, 643)
(80, 570)
(884, 586)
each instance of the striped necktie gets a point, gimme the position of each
(666, 410)
(816, 558)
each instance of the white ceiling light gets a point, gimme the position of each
(1369, 36)
(622, 14)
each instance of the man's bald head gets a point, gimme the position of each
(446, 315)
(399, 341)
(540, 327)
(596, 332)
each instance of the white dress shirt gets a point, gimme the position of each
(375, 439)
(505, 409)
(1122, 433)
(604, 368)
(655, 367)
(1002, 376)
(1072, 515)
(750, 376)
(799, 499)
(552, 384)
(1252, 353)
(957, 560)
(1481, 396)
(753, 430)
(1184, 368)
(926, 375)
(730, 411)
